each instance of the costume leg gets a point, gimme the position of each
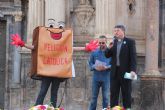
(43, 90)
(54, 90)
(126, 92)
(95, 91)
(105, 93)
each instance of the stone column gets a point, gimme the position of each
(152, 36)
(68, 9)
(105, 17)
(152, 83)
(35, 17)
(54, 9)
(17, 57)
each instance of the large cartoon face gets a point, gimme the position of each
(56, 29)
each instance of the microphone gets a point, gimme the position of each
(114, 38)
(111, 42)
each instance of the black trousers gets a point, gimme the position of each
(118, 82)
(46, 82)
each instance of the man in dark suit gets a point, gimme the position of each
(123, 53)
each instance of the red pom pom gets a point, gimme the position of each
(17, 41)
(93, 45)
(21, 43)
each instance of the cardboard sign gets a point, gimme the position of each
(52, 55)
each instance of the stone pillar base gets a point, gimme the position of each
(152, 73)
(152, 92)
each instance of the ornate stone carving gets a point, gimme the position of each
(18, 18)
(10, 12)
(151, 33)
(84, 2)
(131, 6)
(1, 14)
(18, 14)
(17, 2)
(84, 13)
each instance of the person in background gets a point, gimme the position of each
(123, 54)
(100, 65)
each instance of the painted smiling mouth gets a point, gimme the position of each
(56, 36)
(55, 33)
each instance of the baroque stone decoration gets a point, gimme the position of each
(18, 17)
(1, 14)
(16, 13)
(83, 2)
(84, 13)
(131, 6)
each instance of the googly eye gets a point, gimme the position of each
(51, 26)
(61, 24)
(51, 23)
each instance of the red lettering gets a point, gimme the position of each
(55, 47)
(55, 61)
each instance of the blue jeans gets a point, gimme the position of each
(96, 85)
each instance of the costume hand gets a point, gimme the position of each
(93, 45)
(17, 41)
(133, 74)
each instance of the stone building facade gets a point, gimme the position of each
(144, 20)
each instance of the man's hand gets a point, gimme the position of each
(133, 74)
(110, 44)
(100, 68)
